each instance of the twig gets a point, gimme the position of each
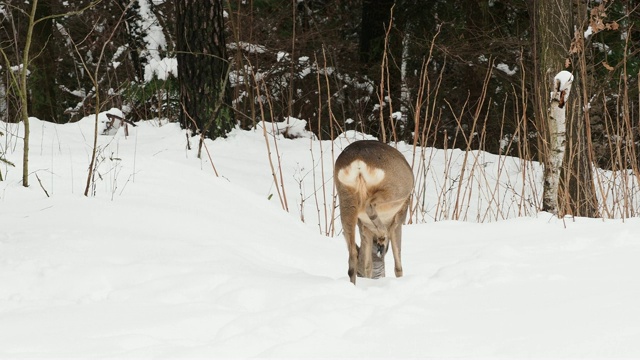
(42, 186)
(210, 159)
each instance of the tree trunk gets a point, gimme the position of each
(203, 68)
(134, 36)
(557, 139)
(575, 193)
(552, 37)
(42, 84)
(578, 181)
(375, 18)
(22, 83)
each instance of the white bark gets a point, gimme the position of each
(404, 88)
(557, 139)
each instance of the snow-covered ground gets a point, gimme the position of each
(168, 260)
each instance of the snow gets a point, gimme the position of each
(156, 43)
(588, 32)
(602, 47)
(247, 47)
(506, 69)
(105, 125)
(564, 78)
(161, 69)
(168, 260)
(291, 127)
(282, 55)
(154, 35)
(18, 68)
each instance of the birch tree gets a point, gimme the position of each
(552, 37)
(557, 121)
(568, 187)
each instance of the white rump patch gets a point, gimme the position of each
(351, 174)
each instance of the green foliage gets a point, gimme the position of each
(223, 122)
(156, 98)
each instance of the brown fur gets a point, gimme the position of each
(374, 183)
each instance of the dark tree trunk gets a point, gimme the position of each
(134, 36)
(375, 18)
(377, 54)
(578, 177)
(203, 68)
(42, 80)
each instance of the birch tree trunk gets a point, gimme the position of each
(552, 37)
(557, 121)
(571, 191)
(405, 93)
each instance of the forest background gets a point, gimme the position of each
(473, 75)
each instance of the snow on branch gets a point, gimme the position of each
(561, 87)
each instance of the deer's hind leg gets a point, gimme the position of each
(349, 218)
(396, 248)
(396, 240)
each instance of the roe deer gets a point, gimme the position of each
(374, 182)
